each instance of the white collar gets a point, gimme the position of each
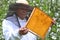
(21, 19)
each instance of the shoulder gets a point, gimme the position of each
(6, 22)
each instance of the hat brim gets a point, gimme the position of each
(15, 6)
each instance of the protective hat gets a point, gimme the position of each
(22, 1)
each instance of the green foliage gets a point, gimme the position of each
(3, 10)
(51, 7)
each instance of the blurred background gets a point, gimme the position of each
(50, 7)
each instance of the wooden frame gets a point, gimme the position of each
(39, 22)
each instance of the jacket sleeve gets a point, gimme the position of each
(10, 31)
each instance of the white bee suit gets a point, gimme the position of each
(10, 30)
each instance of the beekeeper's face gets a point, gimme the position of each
(21, 13)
